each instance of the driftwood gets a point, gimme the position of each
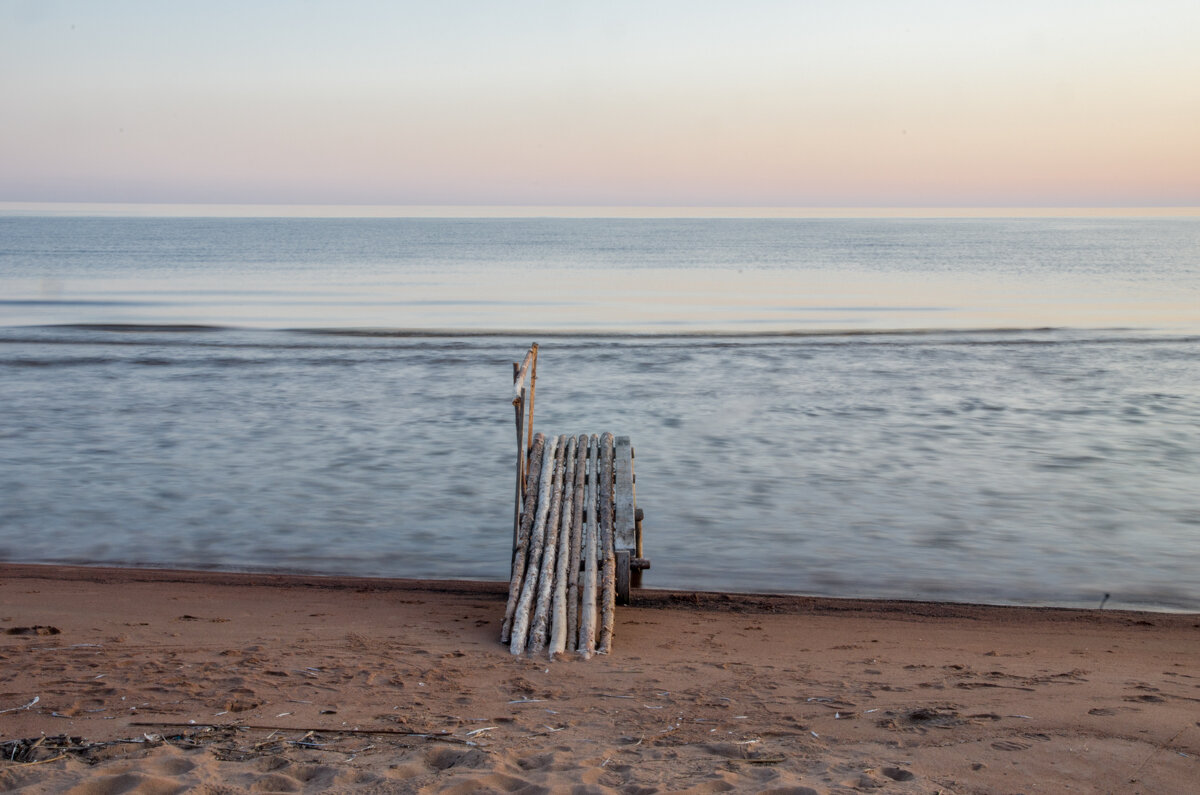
(576, 534)
(521, 548)
(608, 567)
(576, 549)
(519, 378)
(519, 408)
(520, 627)
(541, 613)
(558, 622)
(587, 607)
(528, 365)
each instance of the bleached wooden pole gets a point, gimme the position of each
(521, 550)
(575, 543)
(587, 605)
(521, 616)
(519, 407)
(608, 566)
(532, 364)
(528, 366)
(541, 614)
(558, 612)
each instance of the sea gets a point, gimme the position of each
(971, 409)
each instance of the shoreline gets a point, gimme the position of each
(166, 679)
(649, 598)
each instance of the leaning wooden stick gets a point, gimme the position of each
(587, 606)
(519, 407)
(532, 387)
(541, 613)
(608, 564)
(558, 619)
(521, 551)
(520, 628)
(528, 366)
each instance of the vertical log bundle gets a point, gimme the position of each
(562, 593)
(520, 626)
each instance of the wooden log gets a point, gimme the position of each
(541, 614)
(521, 549)
(519, 408)
(576, 541)
(532, 387)
(528, 365)
(522, 613)
(587, 605)
(608, 595)
(558, 613)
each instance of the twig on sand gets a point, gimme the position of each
(1157, 748)
(433, 735)
(41, 761)
(36, 699)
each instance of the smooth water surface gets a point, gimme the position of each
(604, 275)
(1002, 411)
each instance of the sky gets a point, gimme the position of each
(853, 103)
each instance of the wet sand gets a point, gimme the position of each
(121, 680)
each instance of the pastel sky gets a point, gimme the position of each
(831, 103)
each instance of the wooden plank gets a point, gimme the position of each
(635, 576)
(541, 614)
(624, 529)
(524, 609)
(521, 549)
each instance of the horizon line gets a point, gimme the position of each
(501, 211)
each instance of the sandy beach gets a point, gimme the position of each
(117, 680)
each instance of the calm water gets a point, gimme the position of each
(1002, 411)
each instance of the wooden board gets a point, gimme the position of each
(624, 529)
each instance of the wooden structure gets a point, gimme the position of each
(577, 534)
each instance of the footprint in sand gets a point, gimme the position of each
(446, 758)
(1011, 745)
(37, 629)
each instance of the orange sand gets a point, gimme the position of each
(252, 683)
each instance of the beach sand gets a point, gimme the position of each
(163, 681)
